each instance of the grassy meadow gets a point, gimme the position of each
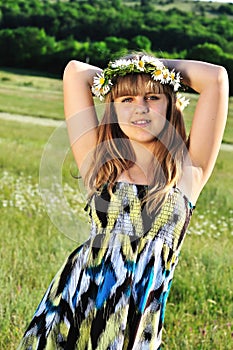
(200, 307)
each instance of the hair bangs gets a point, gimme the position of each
(136, 84)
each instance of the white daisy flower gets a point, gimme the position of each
(175, 80)
(151, 60)
(176, 86)
(165, 76)
(106, 88)
(120, 63)
(99, 80)
(101, 85)
(96, 91)
(182, 101)
(140, 64)
(157, 74)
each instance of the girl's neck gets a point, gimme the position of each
(141, 172)
(133, 175)
(144, 156)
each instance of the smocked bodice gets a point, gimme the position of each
(124, 212)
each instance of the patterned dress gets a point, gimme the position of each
(112, 290)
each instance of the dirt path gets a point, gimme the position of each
(55, 123)
(226, 147)
(31, 120)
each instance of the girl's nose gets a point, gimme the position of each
(141, 106)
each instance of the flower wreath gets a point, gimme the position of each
(102, 82)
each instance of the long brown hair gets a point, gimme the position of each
(114, 153)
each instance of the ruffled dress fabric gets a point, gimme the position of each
(112, 290)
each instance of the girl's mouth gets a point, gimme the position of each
(141, 122)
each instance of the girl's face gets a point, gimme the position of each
(142, 117)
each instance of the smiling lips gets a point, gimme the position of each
(141, 122)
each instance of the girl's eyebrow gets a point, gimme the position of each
(126, 95)
(133, 94)
(153, 92)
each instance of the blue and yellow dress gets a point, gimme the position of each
(111, 292)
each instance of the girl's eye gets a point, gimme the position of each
(127, 100)
(152, 97)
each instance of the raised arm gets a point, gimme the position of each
(211, 82)
(80, 111)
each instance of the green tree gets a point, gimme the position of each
(25, 47)
(206, 52)
(99, 53)
(116, 44)
(145, 2)
(140, 42)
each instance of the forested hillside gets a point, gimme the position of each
(44, 35)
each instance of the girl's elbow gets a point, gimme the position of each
(70, 67)
(222, 76)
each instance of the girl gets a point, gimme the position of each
(143, 176)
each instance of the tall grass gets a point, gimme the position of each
(30, 95)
